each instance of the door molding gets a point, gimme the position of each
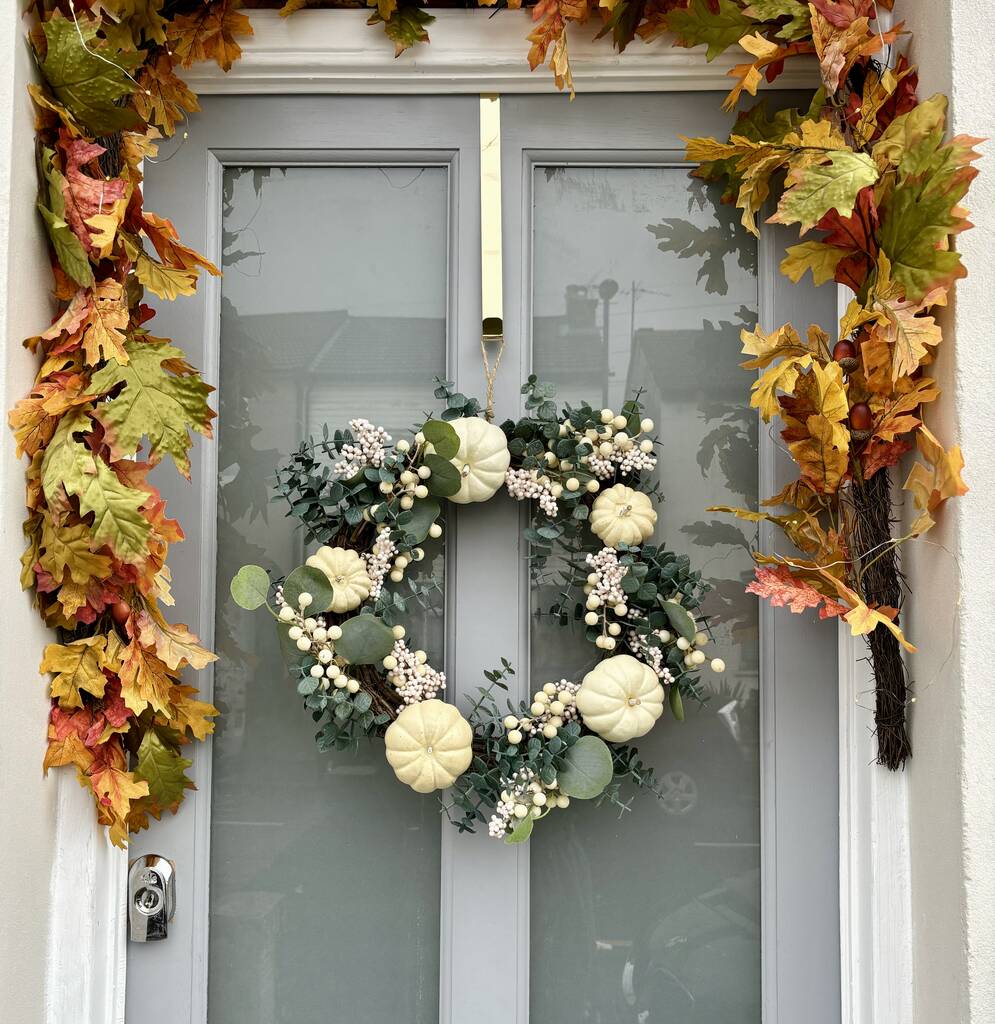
(336, 52)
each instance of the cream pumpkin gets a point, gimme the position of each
(429, 745)
(620, 699)
(621, 515)
(482, 460)
(346, 572)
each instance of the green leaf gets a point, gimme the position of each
(163, 769)
(676, 703)
(155, 402)
(680, 619)
(117, 519)
(68, 248)
(89, 77)
(365, 640)
(250, 587)
(521, 832)
(404, 27)
(306, 579)
(587, 768)
(292, 657)
(445, 479)
(424, 512)
(800, 18)
(819, 188)
(441, 436)
(699, 25)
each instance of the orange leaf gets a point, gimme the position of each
(209, 34)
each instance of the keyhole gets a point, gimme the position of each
(148, 901)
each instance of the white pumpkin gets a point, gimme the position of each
(346, 572)
(620, 699)
(482, 460)
(429, 745)
(621, 515)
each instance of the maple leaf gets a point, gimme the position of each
(163, 769)
(856, 234)
(86, 197)
(209, 34)
(404, 26)
(71, 468)
(87, 76)
(932, 484)
(154, 402)
(69, 250)
(77, 666)
(717, 25)
(815, 189)
(164, 99)
(145, 679)
(785, 590)
(190, 714)
(68, 547)
(173, 643)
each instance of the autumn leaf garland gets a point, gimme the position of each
(866, 168)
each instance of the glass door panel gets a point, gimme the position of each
(641, 282)
(324, 900)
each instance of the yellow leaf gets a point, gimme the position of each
(67, 749)
(820, 457)
(144, 680)
(780, 377)
(818, 257)
(68, 547)
(861, 618)
(173, 643)
(77, 666)
(166, 282)
(931, 486)
(191, 714)
(115, 789)
(909, 129)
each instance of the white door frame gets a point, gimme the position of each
(335, 52)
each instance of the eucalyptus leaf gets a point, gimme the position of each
(679, 618)
(521, 832)
(288, 648)
(250, 587)
(308, 580)
(442, 437)
(676, 703)
(365, 640)
(587, 768)
(445, 479)
(424, 512)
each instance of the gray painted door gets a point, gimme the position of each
(313, 888)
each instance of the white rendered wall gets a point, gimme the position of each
(952, 772)
(27, 836)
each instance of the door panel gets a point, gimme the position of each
(349, 230)
(310, 335)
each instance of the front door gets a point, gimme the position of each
(312, 887)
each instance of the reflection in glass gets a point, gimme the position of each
(642, 282)
(324, 892)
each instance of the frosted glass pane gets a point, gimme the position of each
(324, 872)
(642, 281)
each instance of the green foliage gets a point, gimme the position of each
(250, 587)
(700, 24)
(366, 640)
(305, 579)
(586, 768)
(441, 436)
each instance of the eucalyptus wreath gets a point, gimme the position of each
(370, 504)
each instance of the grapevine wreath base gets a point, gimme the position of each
(370, 503)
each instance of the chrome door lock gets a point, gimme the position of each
(151, 897)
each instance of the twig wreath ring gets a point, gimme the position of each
(370, 504)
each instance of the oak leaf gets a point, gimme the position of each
(69, 547)
(816, 188)
(932, 484)
(115, 789)
(717, 25)
(85, 196)
(77, 668)
(209, 34)
(145, 680)
(164, 99)
(818, 257)
(783, 589)
(191, 714)
(780, 377)
(172, 642)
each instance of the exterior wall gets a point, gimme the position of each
(28, 800)
(952, 772)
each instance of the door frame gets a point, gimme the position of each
(335, 52)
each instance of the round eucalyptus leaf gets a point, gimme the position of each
(445, 479)
(441, 436)
(587, 768)
(521, 831)
(250, 587)
(679, 618)
(423, 513)
(306, 579)
(365, 640)
(288, 648)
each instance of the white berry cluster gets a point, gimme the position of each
(313, 636)
(523, 794)
(524, 484)
(605, 596)
(366, 450)
(655, 657)
(380, 561)
(410, 673)
(552, 707)
(614, 449)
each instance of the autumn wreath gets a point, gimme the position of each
(370, 503)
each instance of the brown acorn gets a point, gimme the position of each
(845, 353)
(120, 612)
(861, 421)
